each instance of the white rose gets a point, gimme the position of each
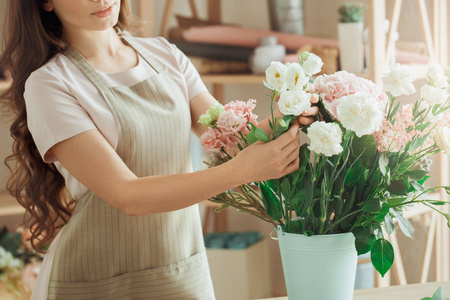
(442, 139)
(360, 113)
(433, 95)
(326, 138)
(436, 76)
(276, 76)
(399, 81)
(313, 64)
(296, 78)
(294, 102)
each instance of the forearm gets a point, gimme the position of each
(156, 194)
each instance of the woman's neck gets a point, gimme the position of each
(104, 50)
(94, 44)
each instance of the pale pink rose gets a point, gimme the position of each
(211, 141)
(246, 108)
(333, 87)
(215, 141)
(231, 121)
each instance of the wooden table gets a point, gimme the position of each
(399, 292)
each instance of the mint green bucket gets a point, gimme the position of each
(320, 267)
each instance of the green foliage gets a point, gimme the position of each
(351, 12)
(271, 203)
(438, 295)
(382, 255)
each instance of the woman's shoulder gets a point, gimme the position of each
(54, 69)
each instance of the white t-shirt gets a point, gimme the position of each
(61, 101)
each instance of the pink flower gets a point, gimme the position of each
(215, 141)
(394, 137)
(333, 87)
(231, 121)
(246, 108)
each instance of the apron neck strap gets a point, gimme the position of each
(144, 53)
(86, 68)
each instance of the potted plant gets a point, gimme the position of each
(365, 164)
(351, 37)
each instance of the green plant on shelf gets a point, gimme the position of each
(438, 295)
(350, 12)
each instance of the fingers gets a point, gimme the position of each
(311, 112)
(314, 98)
(293, 166)
(288, 136)
(306, 120)
(293, 154)
(308, 116)
(276, 98)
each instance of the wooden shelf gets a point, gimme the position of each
(233, 78)
(9, 206)
(420, 70)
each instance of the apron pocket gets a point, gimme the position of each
(186, 279)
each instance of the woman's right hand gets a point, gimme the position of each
(275, 159)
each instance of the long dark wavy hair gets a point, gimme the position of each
(32, 36)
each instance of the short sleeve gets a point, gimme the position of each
(194, 83)
(53, 114)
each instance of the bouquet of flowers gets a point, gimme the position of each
(19, 265)
(367, 160)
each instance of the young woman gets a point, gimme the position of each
(107, 117)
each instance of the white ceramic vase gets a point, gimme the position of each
(351, 46)
(318, 267)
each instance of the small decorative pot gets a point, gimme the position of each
(318, 267)
(351, 46)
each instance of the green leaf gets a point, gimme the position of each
(397, 187)
(396, 201)
(437, 202)
(416, 175)
(427, 298)
(380, 216)
(417, 143)
(251, 136)
(447, 189)
(421, 182)
(405, 226)
(271, 203)
(261, 135)
(286, 188)
(364, 239)
(372, 205)
(389, 224)
(364, 145)
(354, 174)
(382, 256)
(383, 163)
(439, 294)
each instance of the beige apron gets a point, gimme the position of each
(106, 254)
